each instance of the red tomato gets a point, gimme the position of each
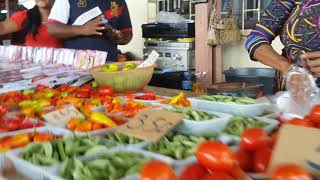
(157, 170)
(291, 172)
(237, 173)
(40, 87)
(193, 172)
(80, 94)
(215, 156)
(261, 160)
(314, 115)
(254, 139)
(300, 122)
(244, 160)
(217, 176)
(3, 110)
(95, 95)
(86, 88)
(106, 91)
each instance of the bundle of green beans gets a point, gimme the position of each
(177, 146)
(58, 150)
(110, 167)
(229, 99)
(117, 139)
(239, 123)
(192, 114)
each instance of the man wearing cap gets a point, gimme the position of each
(95, 25)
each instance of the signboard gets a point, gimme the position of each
(151, 124)
(297, 145)
(62, 116)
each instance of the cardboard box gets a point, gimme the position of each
(297, 145)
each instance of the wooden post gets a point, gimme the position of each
(208, 58)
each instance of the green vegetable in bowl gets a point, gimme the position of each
(117, 139)
(110, 167)
(192, 114)
(266, 113)
(238, 124)
(177, 146)
(229, 99)
(50, 153)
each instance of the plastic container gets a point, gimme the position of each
(251, 90)
(230, 108)
(187, 82)
(265, 76)
(206, 127)
(231, 139)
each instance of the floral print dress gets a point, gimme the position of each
(297, 22)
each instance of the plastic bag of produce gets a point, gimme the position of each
(302, 91)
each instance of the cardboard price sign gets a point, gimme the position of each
(151, 124)
(297, 145)
(62, 116)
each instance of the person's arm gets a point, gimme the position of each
(8, 26)
(270, 25)
(13, 24)
(268, 56)
(123, 34)
(63, 31)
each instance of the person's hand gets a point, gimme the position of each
(312, 60)
(112, 33)
(93, 27)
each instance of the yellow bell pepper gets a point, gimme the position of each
(176, 99)
(100, 118)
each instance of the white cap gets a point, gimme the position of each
(29, 4)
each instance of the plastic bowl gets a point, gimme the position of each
(203, 128)
(122, 81)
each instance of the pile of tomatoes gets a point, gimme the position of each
(312, 120)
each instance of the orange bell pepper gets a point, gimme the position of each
(28, 112)
(73, 123)
(18, 140)
(96, 126)
(84, 126)
(42, 137)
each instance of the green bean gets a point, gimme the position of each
(120, 139)
(176, 146)
(192, 114)
(238, 124)
(229, 99)
(111, 166)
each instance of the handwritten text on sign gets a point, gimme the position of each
(151, 124)
(62, 116)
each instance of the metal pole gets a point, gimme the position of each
(243, 13)
(259, 9)
(7, 8)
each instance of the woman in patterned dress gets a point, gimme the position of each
(297, 22)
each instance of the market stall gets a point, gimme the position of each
(116, 127)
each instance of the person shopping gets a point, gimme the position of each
(104, 31)
(297, 22)
(31, 24)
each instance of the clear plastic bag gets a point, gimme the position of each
(169, 17)
(302, 91)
